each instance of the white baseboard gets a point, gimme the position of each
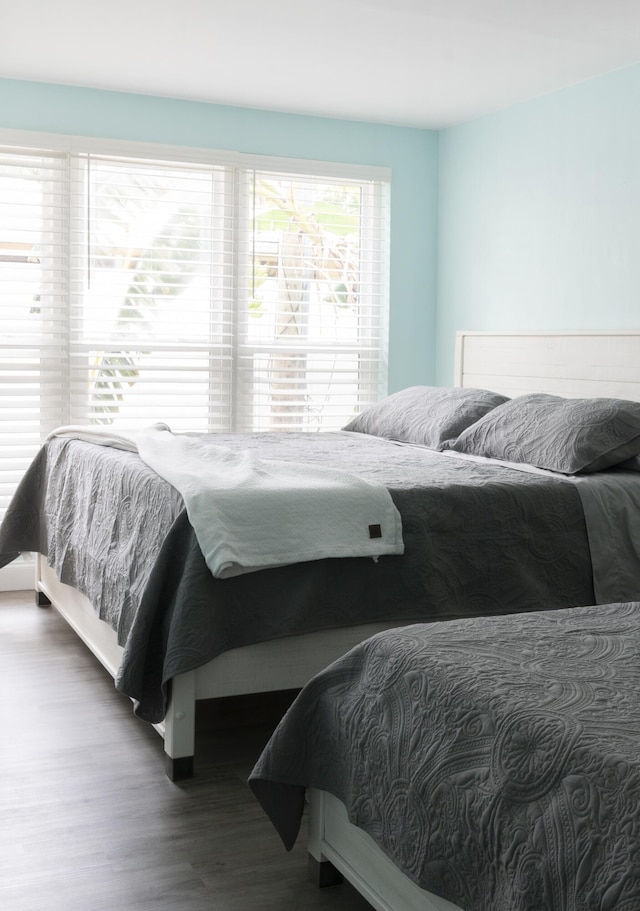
(19, 575)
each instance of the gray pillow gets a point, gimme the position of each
(428, 415)
(565, 435)
(632, 464)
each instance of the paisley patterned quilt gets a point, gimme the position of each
(496, 761)
(479, 539)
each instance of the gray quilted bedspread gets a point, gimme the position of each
(479, 540)
(497, 762)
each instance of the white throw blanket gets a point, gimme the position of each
(250, 513)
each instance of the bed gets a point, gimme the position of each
(483, 764)
(513, 544)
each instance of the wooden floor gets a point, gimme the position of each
(88, 820)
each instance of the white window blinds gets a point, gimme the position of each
(33, 297)
(151, 302)
(210, 292)
(312, 328)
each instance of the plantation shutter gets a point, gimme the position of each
(213, 291)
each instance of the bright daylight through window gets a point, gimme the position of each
(210, 291)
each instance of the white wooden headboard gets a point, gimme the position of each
(572, 364)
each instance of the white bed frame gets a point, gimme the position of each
(282, 664)
(339, 849)
(572, 364)
(564, 363)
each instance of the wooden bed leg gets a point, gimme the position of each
(323, 874)
(178, 769)
(180, 727)
(41, 598)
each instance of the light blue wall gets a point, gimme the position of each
(411, 154)
(526, 219)
(539, 224)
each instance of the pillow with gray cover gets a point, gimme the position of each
(632, 464)
(428, 415)
(570, 436)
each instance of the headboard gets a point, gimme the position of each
(573, 364)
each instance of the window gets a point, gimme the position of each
(210, 291)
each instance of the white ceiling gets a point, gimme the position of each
(422, 63)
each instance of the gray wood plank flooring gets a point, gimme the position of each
(88, 820)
